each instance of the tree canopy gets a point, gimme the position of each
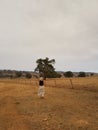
(68, 74)
(82, 74)
(45, 67)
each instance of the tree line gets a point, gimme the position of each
(45, 68)
(14, 74)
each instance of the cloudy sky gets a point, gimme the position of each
(64, 30)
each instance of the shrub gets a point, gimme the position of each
(82, 74)
(28, 75)
(68, 74)
(18, 74)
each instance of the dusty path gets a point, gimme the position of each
(11, 120)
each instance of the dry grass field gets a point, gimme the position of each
(63, 108)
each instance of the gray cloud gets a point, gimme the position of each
(66, 30)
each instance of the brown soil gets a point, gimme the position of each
(61, 109)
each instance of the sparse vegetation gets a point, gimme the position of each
(58, 74)
(82, 74)
(28, 75)
(68, 74)
(62, 109)
(18, 74)
(92, 74)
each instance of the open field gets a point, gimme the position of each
(62, 109)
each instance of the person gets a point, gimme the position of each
(41, 90)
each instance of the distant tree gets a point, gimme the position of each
(82, 74)
(1, 74)
(92, 74)
(28, 75)
(18, 74)
(45, 68)
(68, 74)
(11, 76)
(58, 75)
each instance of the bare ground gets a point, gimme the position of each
(62, 109)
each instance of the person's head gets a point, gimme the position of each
(41, 78)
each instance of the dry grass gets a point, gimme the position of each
(62, 109)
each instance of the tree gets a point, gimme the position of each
(28, 75)
(1, 73)
(82, 74)
(68, 74)
(92, 74)
(18, 74)
(45, 68)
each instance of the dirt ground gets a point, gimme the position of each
(61, 109)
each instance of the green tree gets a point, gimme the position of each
(45, 68)
(28, 75)
(82, 74)
(92, 74)
(68, 74)
(18, 74)
(1, 73)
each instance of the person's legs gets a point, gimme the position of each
(41, 91)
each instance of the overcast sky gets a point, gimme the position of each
(64, 30)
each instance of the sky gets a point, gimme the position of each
(64, 30)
